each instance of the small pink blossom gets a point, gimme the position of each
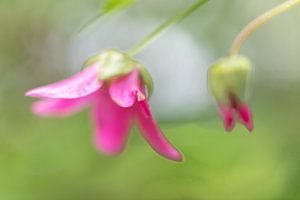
(116, 104)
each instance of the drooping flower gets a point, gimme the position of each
(227, 81)
(116, 88)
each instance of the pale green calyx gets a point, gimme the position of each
(114, 64)
(229, 76)
(147, 78)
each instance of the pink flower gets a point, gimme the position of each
(228, 80)
(116, 102)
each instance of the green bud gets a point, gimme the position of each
(229, 75)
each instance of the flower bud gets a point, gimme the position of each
(229, 76)
(227, 81)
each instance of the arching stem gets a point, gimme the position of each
(258, 22)
(163, 27)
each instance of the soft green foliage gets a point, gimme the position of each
(115, 5)
(54, 159)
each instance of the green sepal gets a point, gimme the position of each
(147, 78)
(229, 75)
(91, 60)
(114, 64)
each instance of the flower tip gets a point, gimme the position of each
(228, 119)
(246, 117)
(250, 127)
(109, 148)
(175, 156)
(228, 128)
(30, 93)
(34, 93)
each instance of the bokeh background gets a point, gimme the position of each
(46, 158)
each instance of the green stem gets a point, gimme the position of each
(90, 21)
(163, 27)
(258, 22)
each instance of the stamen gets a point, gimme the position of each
(141, 98)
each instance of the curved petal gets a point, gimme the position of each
(153, 134)
(228, 117)
(59, 107)
(79, 85)
(245, 116)
(112, 125)
(126, 90)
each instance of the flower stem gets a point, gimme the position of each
(258, 22)
(90, 21)
(163, 27)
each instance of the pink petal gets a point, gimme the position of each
(144, 108)
(126, 90)
(245, 116)
(112, 124)
(154, 136)
(79, 85)
(59, 107)
(227, 116)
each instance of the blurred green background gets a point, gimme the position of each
(54, 158)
